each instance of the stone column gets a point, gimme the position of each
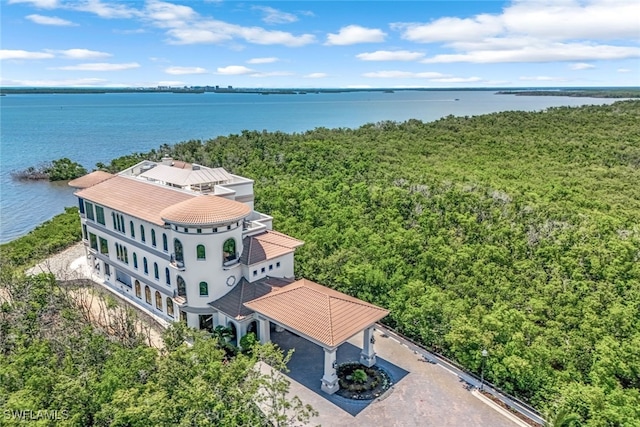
(330, 379)
(368, 355)
(264, 330)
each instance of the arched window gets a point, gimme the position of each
(229, 250)
(158, 301)
(132, 229)
(200, 252)
(169, 307)
(204, 289)
(156, 272)
(179, 252)
(165, 244)
(167, 275)
(145, 265)
(153, 237)
(142, 236)
(135, 260)
(138, 290)
(147, 295)
(182, 287)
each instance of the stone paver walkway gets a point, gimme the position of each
(428, 395)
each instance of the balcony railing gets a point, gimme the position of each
(177, 264)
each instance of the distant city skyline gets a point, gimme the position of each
(320, 44)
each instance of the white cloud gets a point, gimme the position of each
(50, 20)
(581, 66)
(105, 10)
(316, 76)
(542, 79)
(268, 60)
(218, 31)
(168, 15)
(177, 71)
(235, 70)
(541, 53)
(196, 36)
(428, 75)
(451, 29)
(623, 70)
(565, 20)
(535, 31)
(404, 75)
(261, 36)
(42, 4)
(23, 54)
(275, 16)
(55, 83)
(136, 31)
(81, 54)
(386, 55)
(185, 26)
(457, 80)
(354, 34)
(272, 74)
(100, 66)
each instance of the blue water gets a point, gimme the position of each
(91, 128)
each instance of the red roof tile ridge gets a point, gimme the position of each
(332, 293)
(328, 303)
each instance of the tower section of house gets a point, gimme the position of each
(171, 237)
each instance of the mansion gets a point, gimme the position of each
(185, 243)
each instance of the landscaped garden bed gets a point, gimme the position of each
(360, 382)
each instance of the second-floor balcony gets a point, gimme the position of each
(176, 263)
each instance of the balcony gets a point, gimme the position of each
(176, 264)
(181, 300)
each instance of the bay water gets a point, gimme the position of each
(91, 128)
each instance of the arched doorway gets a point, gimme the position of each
(234, 333)
(182, 287)
(253, 328)
(179, 252)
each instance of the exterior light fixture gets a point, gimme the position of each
(484, 353)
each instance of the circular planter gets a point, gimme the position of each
(355, 385)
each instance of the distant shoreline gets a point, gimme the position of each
(594, 93)
(600, 92)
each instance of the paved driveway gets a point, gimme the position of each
(424, 394)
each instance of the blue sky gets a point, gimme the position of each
(274, 44)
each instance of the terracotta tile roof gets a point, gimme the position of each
(205, 210)
(90, 179)
(267, 245)
(134, 197)
(322, 314)
(232, 304)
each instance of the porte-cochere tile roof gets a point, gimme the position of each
(320, 313)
